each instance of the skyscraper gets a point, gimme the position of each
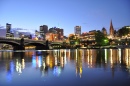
(111, 29)
(8, 28)
(77, 30)
(43, 30)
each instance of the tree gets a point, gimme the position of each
(115, 33)
(123, 31)
(101, 39)
(74, 40)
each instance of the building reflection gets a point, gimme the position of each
(12, 63)
(78, 60)
(6, 55)
(55, 61)
(20, 62)
(44, 67)
(10, 69)
(90, 57)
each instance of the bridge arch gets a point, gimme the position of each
(34, 44)
(9, 42)
(39, 46)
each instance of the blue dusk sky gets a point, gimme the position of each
(66, 14)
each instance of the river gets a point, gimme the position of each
(65, 67)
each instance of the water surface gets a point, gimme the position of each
(77, 67)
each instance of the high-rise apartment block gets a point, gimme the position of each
(8, 28)
(77, 30)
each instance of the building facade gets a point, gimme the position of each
(58, 31)
(77, 30)
(111, 30)
(43, 31)
(8, 29)
(51, 37)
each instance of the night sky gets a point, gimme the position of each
(66, 14)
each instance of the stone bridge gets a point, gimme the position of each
(16, 43)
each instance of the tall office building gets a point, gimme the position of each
(8, 28)
(111, 29)
(77, 30)
(43, 31)
(60, 33)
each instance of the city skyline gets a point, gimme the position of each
(89, 14)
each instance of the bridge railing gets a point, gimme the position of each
(29, 40)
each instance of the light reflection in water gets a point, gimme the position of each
(111, 56)
(10, 70)
(18, 66)
(39, 61)
(76, 55)
(119, 50)
(56, 71)
(105, 55)
(34, 61)
(56, 60)
(65, 57)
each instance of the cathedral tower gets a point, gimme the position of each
(111, 29)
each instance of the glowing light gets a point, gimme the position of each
(119, 50)
(16, 64)
(62, 63)
(126, 56)
(56, 71)
(88, 57)
(12, 66)
(76, 55)
(80, 71)
(83, 54)
(105, 55)
(34, 61)
(23, 64)
(91, 61)
(48, 60)
(39, 61)
(55, 60)
(111, 55)
(65, 57)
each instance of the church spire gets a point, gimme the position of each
(111, 25)
(111, 29)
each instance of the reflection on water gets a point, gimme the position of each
(56, 62)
